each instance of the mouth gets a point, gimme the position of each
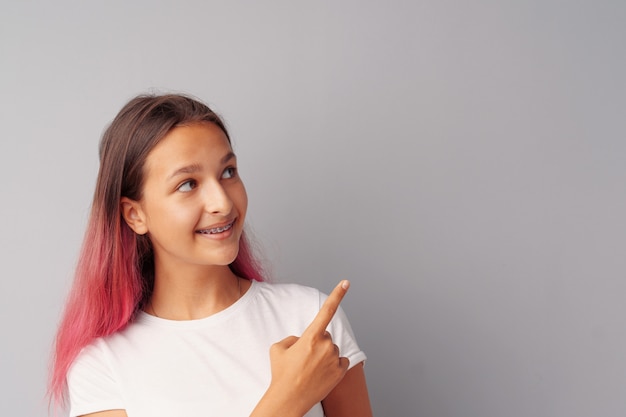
(217, 230)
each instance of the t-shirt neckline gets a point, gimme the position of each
(150, 320)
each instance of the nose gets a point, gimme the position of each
(216, 199)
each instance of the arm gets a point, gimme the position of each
(349, 398)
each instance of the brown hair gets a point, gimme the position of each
(124, 147)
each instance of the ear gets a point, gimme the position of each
(133, 215)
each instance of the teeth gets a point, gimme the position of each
(217, 229)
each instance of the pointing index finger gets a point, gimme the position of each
(328, 309)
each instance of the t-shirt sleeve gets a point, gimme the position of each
(91, 384)
(343, 336)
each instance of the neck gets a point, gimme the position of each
(193, 292)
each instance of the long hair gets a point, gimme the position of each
(115, 270)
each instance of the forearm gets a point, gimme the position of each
(277, 402)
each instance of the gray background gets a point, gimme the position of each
(461, 162)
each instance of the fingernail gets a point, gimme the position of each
(345, 284)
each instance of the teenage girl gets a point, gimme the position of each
(169, 313)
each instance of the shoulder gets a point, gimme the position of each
(296, 296)
(92, 381)
(287, 294)
(286, 290)
(94, 354)
(288, 306)
(100, 356)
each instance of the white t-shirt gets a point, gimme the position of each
(216, 366)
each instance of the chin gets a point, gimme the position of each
(227, 258)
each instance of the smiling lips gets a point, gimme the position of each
(216, 230)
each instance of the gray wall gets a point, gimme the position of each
(461, 162)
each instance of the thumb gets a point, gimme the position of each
(287, 342)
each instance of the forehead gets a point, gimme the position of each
(198, 143)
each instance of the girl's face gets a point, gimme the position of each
(194, 203)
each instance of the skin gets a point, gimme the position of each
(191, 184)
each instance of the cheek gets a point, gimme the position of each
(181, 215)
(166, 217)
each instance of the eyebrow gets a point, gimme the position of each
(193, 168)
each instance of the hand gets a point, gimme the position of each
(306, 369)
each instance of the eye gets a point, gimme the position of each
(229, 172)
(187, 186)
